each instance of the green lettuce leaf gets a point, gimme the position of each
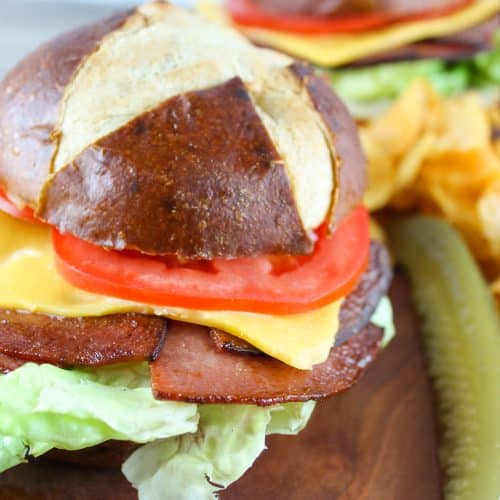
(14, 450)
(73, 409)
(229, 439)
(387, 81)
(291, 418)
(484, 69)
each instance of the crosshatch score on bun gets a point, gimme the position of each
(253, 142)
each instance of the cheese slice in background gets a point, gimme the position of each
(29, 281)
(337, 49)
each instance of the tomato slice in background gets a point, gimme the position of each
(10, 208)
(246, 13)
(271, 285)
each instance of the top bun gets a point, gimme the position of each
(158, 131)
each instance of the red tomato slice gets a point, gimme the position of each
(246, 13)
(8, 207)
(269, 285)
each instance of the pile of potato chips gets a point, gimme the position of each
(440, 156)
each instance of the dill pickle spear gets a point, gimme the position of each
(461, 332)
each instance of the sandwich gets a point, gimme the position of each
(186, 264)
(373, 49)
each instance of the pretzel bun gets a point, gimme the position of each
(158, 131)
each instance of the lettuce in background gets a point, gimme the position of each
(386, 81)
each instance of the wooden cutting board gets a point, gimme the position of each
(376, 441)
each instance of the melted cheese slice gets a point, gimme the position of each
(333, 50)
(29, 281)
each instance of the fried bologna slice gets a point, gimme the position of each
(9, 363)
(191, 369)
(93, 341)
(360, 305)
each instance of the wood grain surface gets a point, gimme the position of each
(376, 441)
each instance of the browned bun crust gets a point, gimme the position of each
(209, 171)
(350, 162)
(30, 96)
(198, 177)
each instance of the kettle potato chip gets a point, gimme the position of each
(440, 156)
